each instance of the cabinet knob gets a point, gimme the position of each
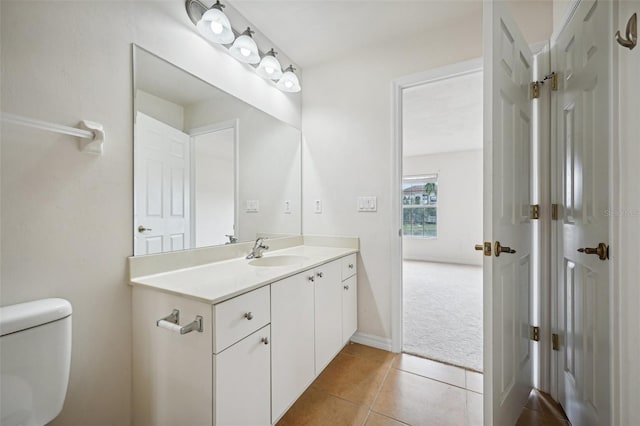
(346, 287)
(265, 340)
(248, 316)
(320, 274)
(311, 278)
(351, 266)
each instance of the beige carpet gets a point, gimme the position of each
(442, 306)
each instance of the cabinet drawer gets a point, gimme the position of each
(236, 318)
(349, 266)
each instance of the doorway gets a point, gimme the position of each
(439, 168)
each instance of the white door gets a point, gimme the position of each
(507, 197)
(161, 180)
(581, 55)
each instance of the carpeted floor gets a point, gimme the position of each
(443, 312)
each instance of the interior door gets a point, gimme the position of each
(582, 54)
(508, 65)
(161, 180)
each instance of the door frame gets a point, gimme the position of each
(203, 130)
(398, 85)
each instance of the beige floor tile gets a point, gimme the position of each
(376, 419)
(418, 401)
(431, 369)
(474, 409)
(474, 381)
(317, 408)
(530, 417)
(368, 352)
(353, 378)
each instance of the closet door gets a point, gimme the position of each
(508, 71)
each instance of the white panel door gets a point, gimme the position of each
(292, 348)
(581, 55)
(328, 313)
(161, 180)
(242, 382)
(507, 197)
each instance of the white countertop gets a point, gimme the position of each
(216, 282)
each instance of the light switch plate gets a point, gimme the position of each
(367, 204)
(287, 207)
(317, 206)
(252, 206)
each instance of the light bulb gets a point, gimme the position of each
(216, 27)
(269, 70)
(245, 52)
(288, 84)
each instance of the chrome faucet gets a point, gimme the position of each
(258, 248)
(232, 239)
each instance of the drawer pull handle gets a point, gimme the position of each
(346, 287)
(248, 316)
(320, 274)
(265, 340)
(311, 278)
(172, 322)
(351, 266)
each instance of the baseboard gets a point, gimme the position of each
(370, 340)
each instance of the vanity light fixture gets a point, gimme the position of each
(245, 49)
(270, 67)
(289, 81)
(215, 26)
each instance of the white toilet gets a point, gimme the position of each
(35, 357)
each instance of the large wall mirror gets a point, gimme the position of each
(209, 168)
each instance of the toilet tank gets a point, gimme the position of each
(35, 357)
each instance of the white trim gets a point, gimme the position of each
(373, 341)
(397, 86)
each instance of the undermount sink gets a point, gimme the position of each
(282, 260)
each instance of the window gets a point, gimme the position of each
(420, 206)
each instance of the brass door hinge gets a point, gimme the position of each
(554, 211)
(535, 86)
(555, 342)
(535, 89)
(535, 333)
(535, 211)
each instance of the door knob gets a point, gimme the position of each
(602, 251)
(499, 248)
(485, 247)
(142, 229)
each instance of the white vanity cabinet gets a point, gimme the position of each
(254, 356)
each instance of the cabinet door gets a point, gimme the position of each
(349, 308)
(328, 313)
(292, 354)
(242, 382)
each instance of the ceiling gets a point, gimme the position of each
(312, 31)
(443, 116)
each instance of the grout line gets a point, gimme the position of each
(436, 380)
(382, 382)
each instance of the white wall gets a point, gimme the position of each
(459, 207)
(347, 143)
(67, 217)
(160, 109)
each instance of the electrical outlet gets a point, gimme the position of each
(287, 207)
(317, 206)
(252, 206)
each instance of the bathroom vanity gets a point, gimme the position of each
(256, 332)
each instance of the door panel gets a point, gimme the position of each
(161, 179)
(581, 55)
(507, 200)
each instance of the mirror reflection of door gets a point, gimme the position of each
(162, 201)
(213, 172)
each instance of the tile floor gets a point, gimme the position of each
(368, 386)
